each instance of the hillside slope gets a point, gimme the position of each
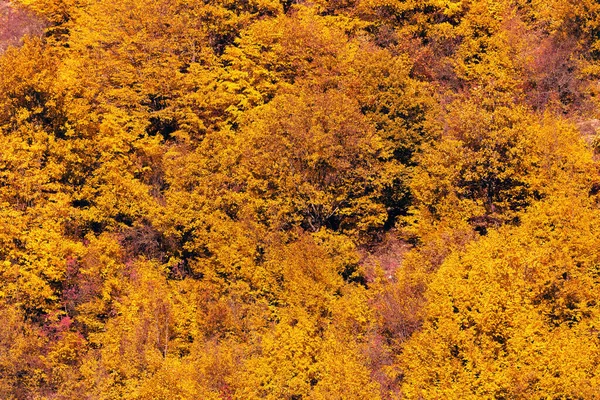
(299, 200)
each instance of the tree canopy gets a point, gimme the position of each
(266, 199)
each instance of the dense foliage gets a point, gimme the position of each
(362, 199)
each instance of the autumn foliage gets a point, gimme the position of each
(269, 199)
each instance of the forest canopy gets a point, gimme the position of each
(265, 199)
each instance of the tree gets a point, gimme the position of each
(494, 162)
(514, 315)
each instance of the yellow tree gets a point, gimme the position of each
(515, 314)
(493, 162)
